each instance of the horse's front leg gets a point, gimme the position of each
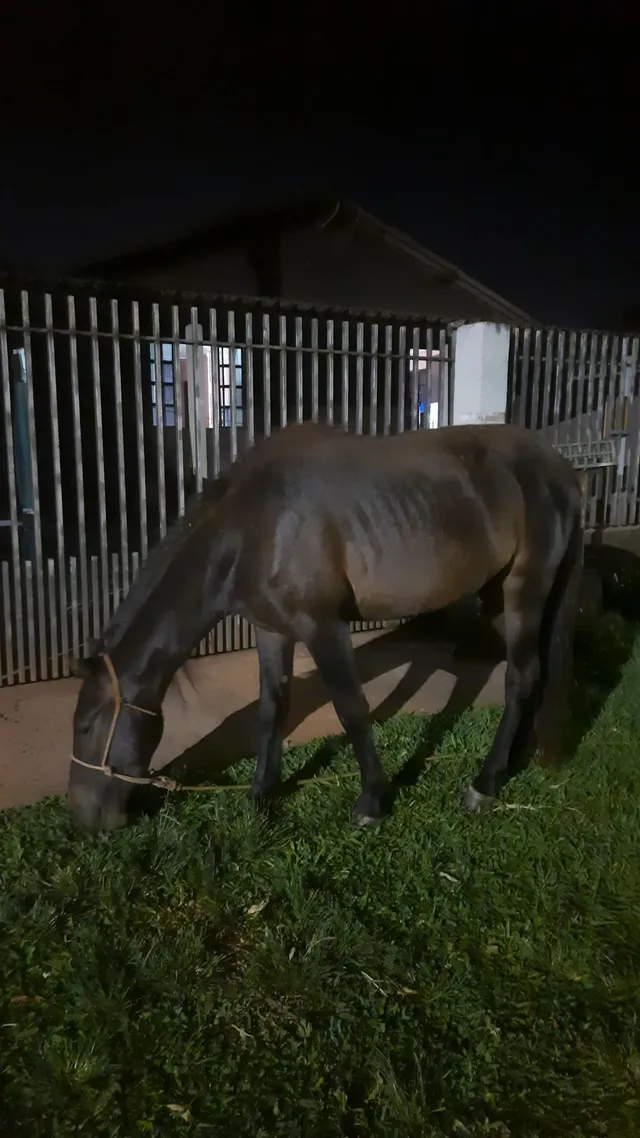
(332, 650)
(275, 656)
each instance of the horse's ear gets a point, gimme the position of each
(83, 667)
(79, 667)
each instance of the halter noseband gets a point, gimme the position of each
(104, 767)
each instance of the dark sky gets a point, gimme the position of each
(508, 145)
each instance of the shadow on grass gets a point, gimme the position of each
(464, 646)
(459, 640)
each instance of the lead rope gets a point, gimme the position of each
(169, 784)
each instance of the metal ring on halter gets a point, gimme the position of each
(103, 766)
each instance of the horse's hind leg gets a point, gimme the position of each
(526, 590)
(332, 651)
(275, 657)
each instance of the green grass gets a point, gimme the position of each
(209, 973)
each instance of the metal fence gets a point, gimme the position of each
(583, 387)
(116, 407)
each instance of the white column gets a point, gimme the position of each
(197, 400)
(481, 373)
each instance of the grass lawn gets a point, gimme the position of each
(209, 973)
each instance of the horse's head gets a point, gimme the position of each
(114, 739)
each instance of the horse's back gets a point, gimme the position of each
(407, 522)
(310, 443)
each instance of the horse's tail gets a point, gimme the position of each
(556, 649)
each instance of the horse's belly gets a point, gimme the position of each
(416, 582)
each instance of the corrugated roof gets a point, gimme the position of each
(452, 285)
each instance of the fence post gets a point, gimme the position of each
(481, 373)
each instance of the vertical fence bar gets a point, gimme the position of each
(447, 354)
(8, 625)
(13, 493)
(178, 406)
(415, 378)
(115, 579)
(249, 368)
(35, 487)
(402, 385)
(120, 453)
(141, 458)
(373, 407)
(614, 474)
(535, 379)
(581, 394)
(73, 596)
(388, 363)
(31, 623)
(549, 348)
(598, 481)
(330, 372)
(102, 501)
(525, 381)
(95, 597)
(592, 398)
(266, 372)
(513, 390)
(233, 383)
(314, 371)
(563, 381)
(282, 353)
(299, 371)
(556, 368)
(611, 473)
(359, 377)
(234, 623)
(57, 484)
(53, 618)
(619, 506)
(345, 374)
(442, 371)
(616, 401)
(77, 446)
(592, 381)
(196, 400)
(215, 389)
(633, 476)
(159, 382)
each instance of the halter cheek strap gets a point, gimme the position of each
(103, 766)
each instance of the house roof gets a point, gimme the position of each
(243, 228)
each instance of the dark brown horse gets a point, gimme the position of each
(315, 528)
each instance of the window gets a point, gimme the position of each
(168, 401)
(230, 380)
(229, 384)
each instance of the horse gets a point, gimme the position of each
(309, 530)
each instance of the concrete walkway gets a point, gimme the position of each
(217, 723)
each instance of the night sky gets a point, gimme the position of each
(509, 148)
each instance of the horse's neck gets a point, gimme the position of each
(174, 618)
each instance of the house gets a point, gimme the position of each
(321, 253)
(324, 257)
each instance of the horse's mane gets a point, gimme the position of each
(158, 561)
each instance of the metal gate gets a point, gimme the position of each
(583, 388)
(117, 407)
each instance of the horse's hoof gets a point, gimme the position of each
(474, 800)
(261, 801)
(362, 820)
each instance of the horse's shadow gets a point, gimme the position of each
(455, 640)
(473, 649)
